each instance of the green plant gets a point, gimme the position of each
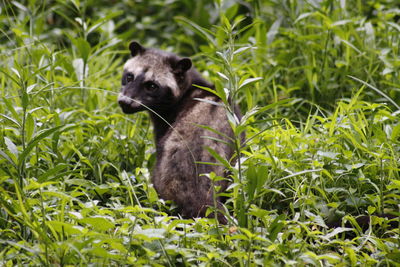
(318, 86)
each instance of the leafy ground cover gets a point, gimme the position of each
(318, 85)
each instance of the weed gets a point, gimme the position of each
(318, 85)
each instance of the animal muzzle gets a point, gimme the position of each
(124, 100)
(128, 104)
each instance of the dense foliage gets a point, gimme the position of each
(318, 84)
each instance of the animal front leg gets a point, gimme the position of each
(197, 207)
(193, 199)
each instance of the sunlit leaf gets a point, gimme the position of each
(98, 223)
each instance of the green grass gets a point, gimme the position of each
(318, 85)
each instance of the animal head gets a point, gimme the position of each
(153, 79)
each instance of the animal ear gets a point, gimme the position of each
(183, 65)
(136, 48)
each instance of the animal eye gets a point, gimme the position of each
(150, 86)
(129, 77)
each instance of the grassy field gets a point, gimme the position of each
(318, 85)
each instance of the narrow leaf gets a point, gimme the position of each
(98, 223)
(337, 231)
(223, 76)
(250, 80)
(11, 146)
(5, 156)
(51, 172)
(206, 34)
(34, 142)
(376, 90)
(209, 101)
(218, 157)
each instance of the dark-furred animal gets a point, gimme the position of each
(164, 84)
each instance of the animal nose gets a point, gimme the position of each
(124, 100)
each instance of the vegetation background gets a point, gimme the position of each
(318, 84)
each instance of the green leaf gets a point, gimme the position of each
(203, 32)
(218, 157)
(327, 154)
(241, 49)
(251, 184)
(51, 172)
(276, 227)
(64, 228)
(98, 23)
(30, 88)
(376, 90)
(395, 133)
(336, 231)
(209, 102)
(208, 128)
(5, 156)
(25, 99)
(262, 175)
(29, 126)
(100, 224)
(231, 12)
(150, 234)
(11, 77)
(250, 80)
(371, 210)
(274, 30)
(83, 47)
(395, 256)
(39, 137)
(303, 16)
(11, 147)
(11, 119)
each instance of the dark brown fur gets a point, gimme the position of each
(180, 142)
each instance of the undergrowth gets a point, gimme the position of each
(318, 85)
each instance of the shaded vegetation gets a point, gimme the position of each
(318, 84)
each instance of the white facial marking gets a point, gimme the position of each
(157, 70)
(131, 102)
